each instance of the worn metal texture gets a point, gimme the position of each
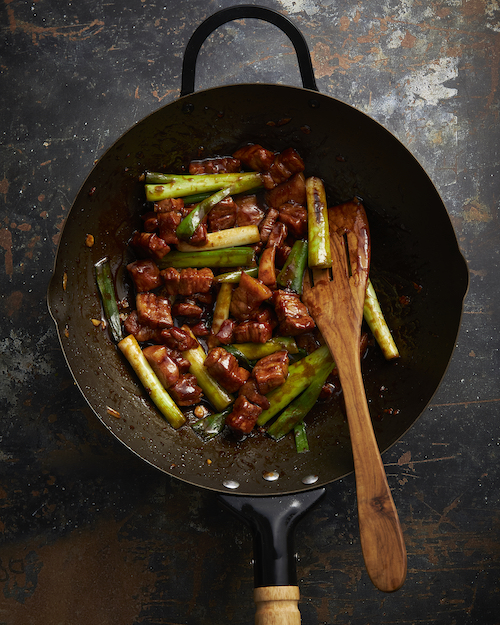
(88, 532)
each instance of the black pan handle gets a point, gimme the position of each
(240, 12)
(272, 521)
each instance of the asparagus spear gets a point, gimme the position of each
(169, 409)
(317, 223)
(161, 186)
(108, 296)
(300, 375)
(232, 237)
(226, 257)
(376, 322)
(292, 274)
(295, 412)
(213, 391)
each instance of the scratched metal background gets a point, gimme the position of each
(89, 534)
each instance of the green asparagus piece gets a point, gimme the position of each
(300, 375)
(300, 435)
(167, 406)
(226, 257)
(162, 186)
(292, 274)
(255, 351)
(233, 277)
(295, 412)
(317, 224)
(210, 426)
(108, 296)
(376, 322)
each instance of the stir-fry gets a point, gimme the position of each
(217, 328)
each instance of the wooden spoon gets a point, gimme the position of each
(335, 300)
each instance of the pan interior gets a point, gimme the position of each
(412, 239)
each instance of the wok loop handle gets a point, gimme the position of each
(240, 12)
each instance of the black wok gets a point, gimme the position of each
(412, 243)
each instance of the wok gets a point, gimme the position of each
(412, 241)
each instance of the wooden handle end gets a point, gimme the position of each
(277, 605)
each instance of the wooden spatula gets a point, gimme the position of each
(335, 300)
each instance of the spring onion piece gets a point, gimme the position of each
(195, 198)
(300, 435)
(193, 219)
(292, 274)
(210, 426)
(300, 376)
(222, 305)
(230, 237)
(167, 406)
(295, 412)
(243, 360)
(376, 322)
(213, 391)
(226, 257)
(317, 224)
(108, 296)
(234, 276)
(255, 351)
(162, 186)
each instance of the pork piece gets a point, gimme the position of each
(150, 221)
(249, 212)
(178, 339)
(292, 313)
(266, 225)
(163, 364)
(267, 267)
(167, 226)
(248, 296)
(271, 371)
(252, 332)
(153, 310)
(187, 281)
(307, 341)
(243, 416)
(223, 215)
(255, 157)
(282, 253)
(150, 244)
(218, 165)
(145, 275)
(293, 190)
(186, 392)
(265, 314)
(295, 218)
(226, 332)
(251, 392)
(285, 165)
(199, 237)
(278, 235)
(224, 367)
(142, 332)
(201, 328)
(170, 204)
(187, 308)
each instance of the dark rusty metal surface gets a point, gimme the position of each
(89, 533)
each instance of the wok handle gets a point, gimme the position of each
(272, 521)
(240, 12)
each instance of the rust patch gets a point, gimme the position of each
(79, 33)
(408, 41)
(4, 188)
(476, 212)
(6, 243)
(13, 303)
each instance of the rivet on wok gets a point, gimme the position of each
(313, 103)
(232, 484)
(310, 479)
(270, 476)
(188, 107)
